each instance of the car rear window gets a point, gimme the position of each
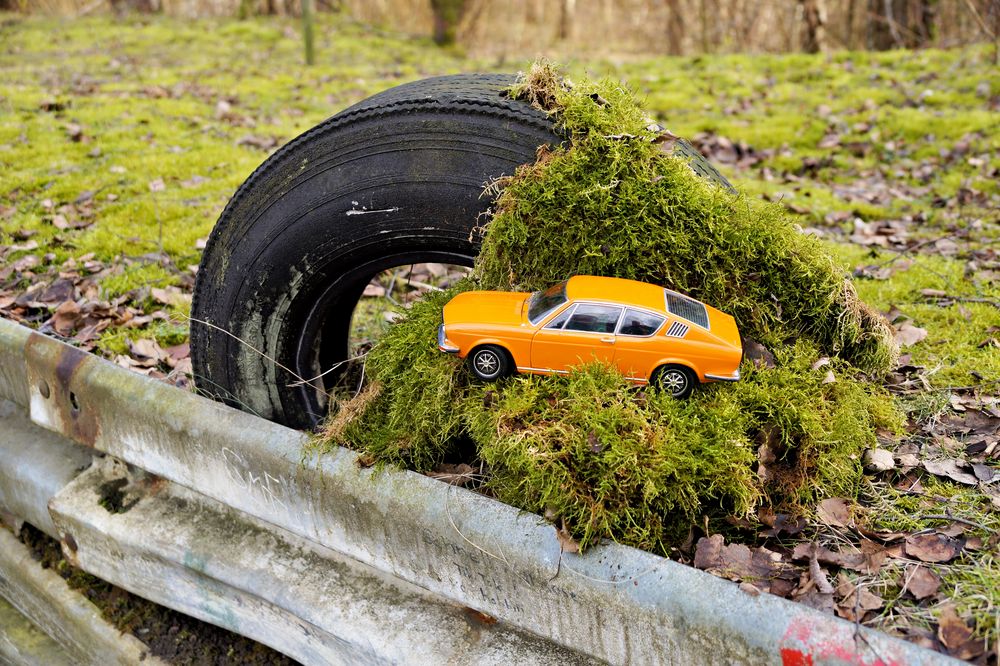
(686, 308)
(540, 303)
(637, 322)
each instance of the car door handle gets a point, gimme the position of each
(608, 340)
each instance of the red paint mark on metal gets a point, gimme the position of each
(790, 657)
(807, 642)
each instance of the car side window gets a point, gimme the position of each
(560, 318)
(594, 318)
(637, 322)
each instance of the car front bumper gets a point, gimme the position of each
(444, 344)
(735, 377)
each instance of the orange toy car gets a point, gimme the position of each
(651, 334)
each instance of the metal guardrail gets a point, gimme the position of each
(331, 563)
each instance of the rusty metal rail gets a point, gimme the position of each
(331, 563)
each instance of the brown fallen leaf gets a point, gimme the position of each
(921, 582)
(172, 296)
(567, 543)
(949, 467)
(780, 523)
(455, 475)
(817, 575)
(758, 353)
(931, 547)
(858, 602)
(157, 185)
(834, 511)
(146, 352)
(956, 635)
(736, 561)
(907, 334)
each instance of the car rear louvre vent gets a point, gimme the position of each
(677, 330)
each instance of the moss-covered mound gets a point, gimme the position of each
(607, 459)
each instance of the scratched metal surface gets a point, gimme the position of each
(614, 603)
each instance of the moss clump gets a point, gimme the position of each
(613, 202)
(638, 466)
(608, 459)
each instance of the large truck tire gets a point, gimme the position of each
(394, 180)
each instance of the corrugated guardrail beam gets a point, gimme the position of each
(614, 603)
(44, 598)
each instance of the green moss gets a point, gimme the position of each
(607, 205)
(608, 459)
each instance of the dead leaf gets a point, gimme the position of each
(835, 511)
(157, 185)
(171, 296)
(907, 334)
(193, 181)
(256, 141)
(567, 543)
(921, 582)
(146, 352)
(65, 319)
(758, 353)
(455, 475)
(879, 460)
(857, 603)
(75, 132)
(931, 547)
(780, 523)
(949, 467)
(953, 631)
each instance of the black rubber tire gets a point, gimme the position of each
(496, 356)
(677, 380)
(393, 180)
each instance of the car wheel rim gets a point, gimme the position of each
(674, 382)
(487, 363)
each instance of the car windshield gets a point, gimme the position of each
(543, 302)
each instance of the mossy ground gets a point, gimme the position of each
(162, 99)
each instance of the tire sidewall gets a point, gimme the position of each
(498, 356)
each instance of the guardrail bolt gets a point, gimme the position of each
(43, 388)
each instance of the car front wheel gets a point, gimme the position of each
(676, 380)
(490, 363)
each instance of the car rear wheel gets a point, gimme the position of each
(676, 380)
(490, 363)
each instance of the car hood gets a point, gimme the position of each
(486, 307)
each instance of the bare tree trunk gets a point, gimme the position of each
(849, 14)
(447, 14)
(675, 28)
(883, 25)
(814, 16)
(566, 15)
(925, 25)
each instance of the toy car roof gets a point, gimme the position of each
(640, 294)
